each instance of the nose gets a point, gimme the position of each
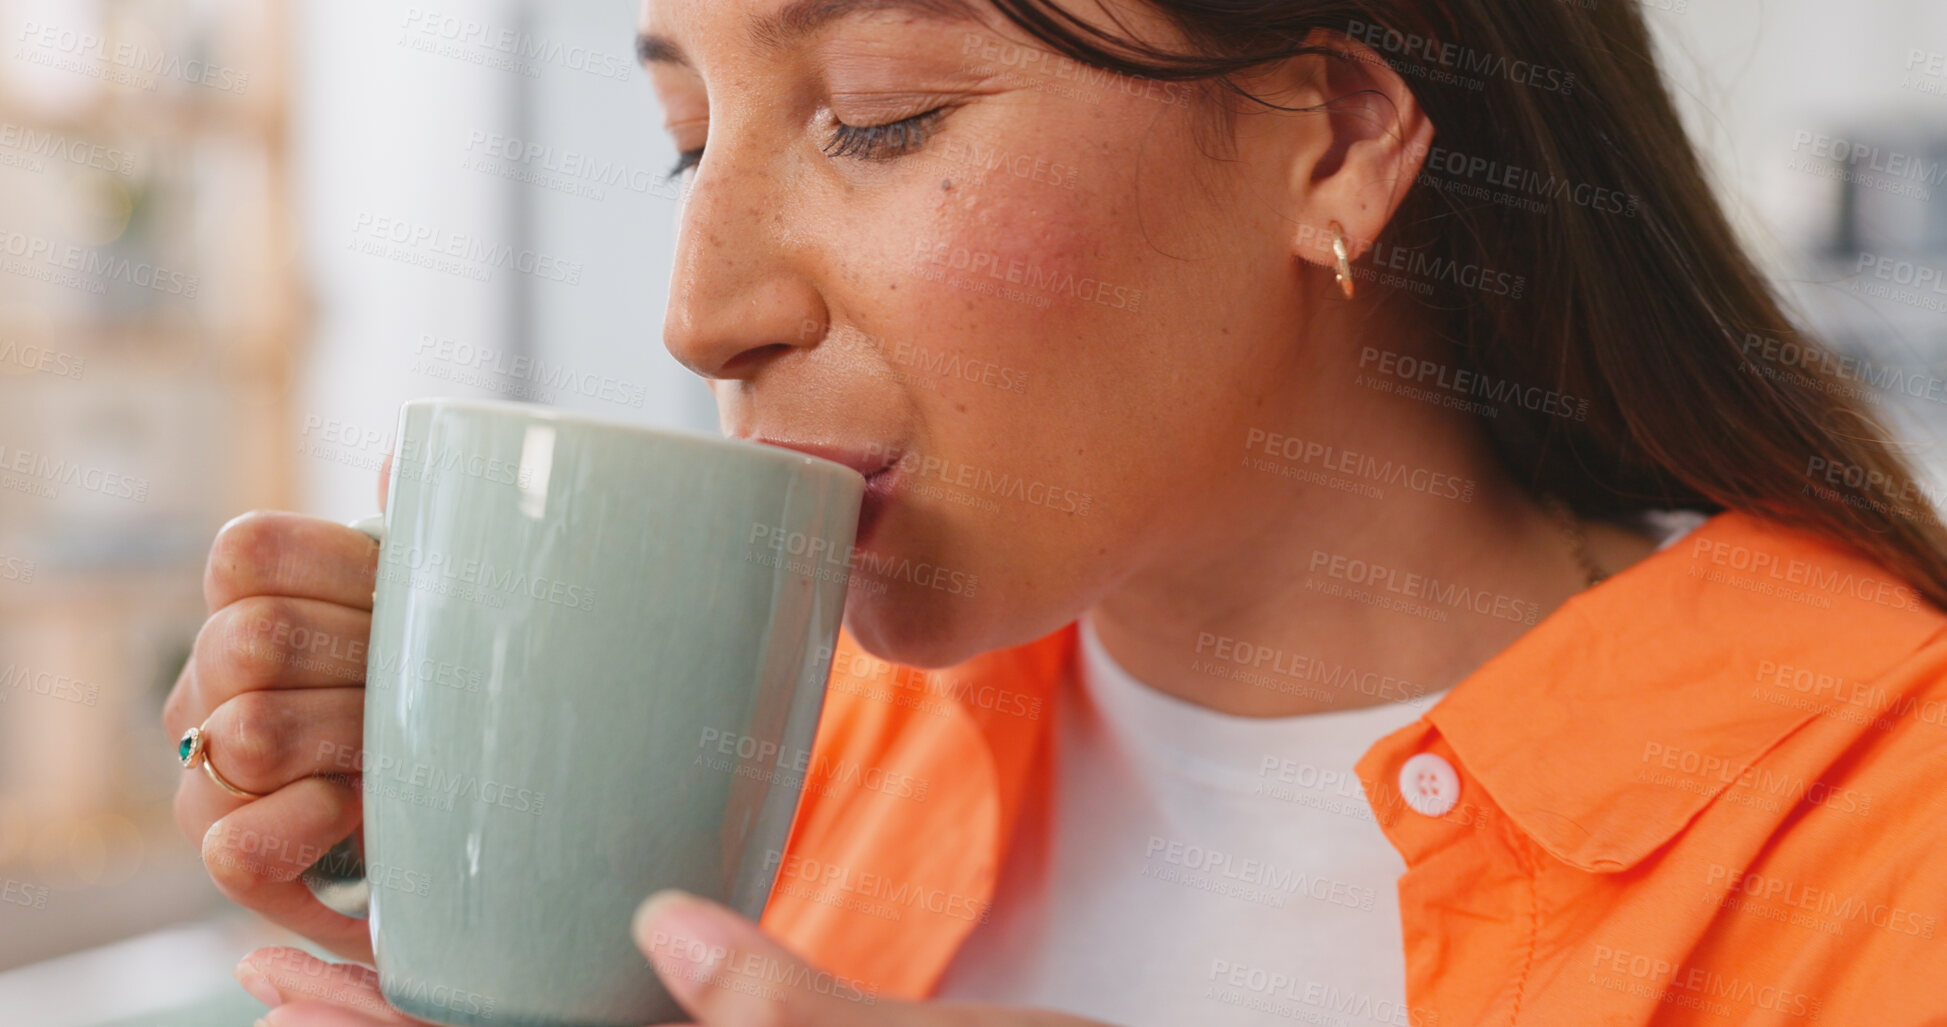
(738, 297)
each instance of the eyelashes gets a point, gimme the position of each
(684, 161)
(883, 142)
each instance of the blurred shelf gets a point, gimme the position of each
(188, 392)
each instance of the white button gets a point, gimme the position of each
(1429, 784)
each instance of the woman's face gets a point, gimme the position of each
(1040, 295)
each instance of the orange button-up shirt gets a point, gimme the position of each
(1711, 790)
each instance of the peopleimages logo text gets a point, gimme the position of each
(1887, 591)
(53, 471)
(130, 56)
(1461, 381)
(524, 51)
(96, 264)
(475, 577)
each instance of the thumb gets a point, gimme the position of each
(726, 971)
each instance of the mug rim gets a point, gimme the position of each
(541, 411)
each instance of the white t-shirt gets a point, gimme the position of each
(1196, 867)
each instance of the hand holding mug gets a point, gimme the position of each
(276, 685)
(594, 657)
(719, 965)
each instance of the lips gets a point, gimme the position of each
(879, 465)
(867, 460)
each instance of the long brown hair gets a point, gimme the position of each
(1639, 297)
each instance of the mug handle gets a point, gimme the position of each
(338, 879)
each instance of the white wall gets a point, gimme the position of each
(1751, 74)
(389, 130)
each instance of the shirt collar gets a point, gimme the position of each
(1700, 657)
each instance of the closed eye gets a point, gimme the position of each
(880, 142)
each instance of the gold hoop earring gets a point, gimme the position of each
(1345, 259)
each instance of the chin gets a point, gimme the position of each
(915, 626)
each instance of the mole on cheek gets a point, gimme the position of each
(947, 184)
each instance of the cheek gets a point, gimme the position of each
(1014, 276)
(1025, 276)
(1047, 283)
(1015, 251)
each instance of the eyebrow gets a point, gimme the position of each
(801, 18)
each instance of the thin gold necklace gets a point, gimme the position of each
(1577, 539)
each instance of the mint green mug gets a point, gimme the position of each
(590, 643)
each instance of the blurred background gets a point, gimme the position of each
(236, 234)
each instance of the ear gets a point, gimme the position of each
(1354, 159)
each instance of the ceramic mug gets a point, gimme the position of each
(591, 643)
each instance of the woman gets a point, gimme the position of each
(1294, 407)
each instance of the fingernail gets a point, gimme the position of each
(258, 986)
(683, 929)
(660, 904)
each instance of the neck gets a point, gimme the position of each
(1290, 588)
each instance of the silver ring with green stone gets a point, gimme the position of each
(194, 750)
